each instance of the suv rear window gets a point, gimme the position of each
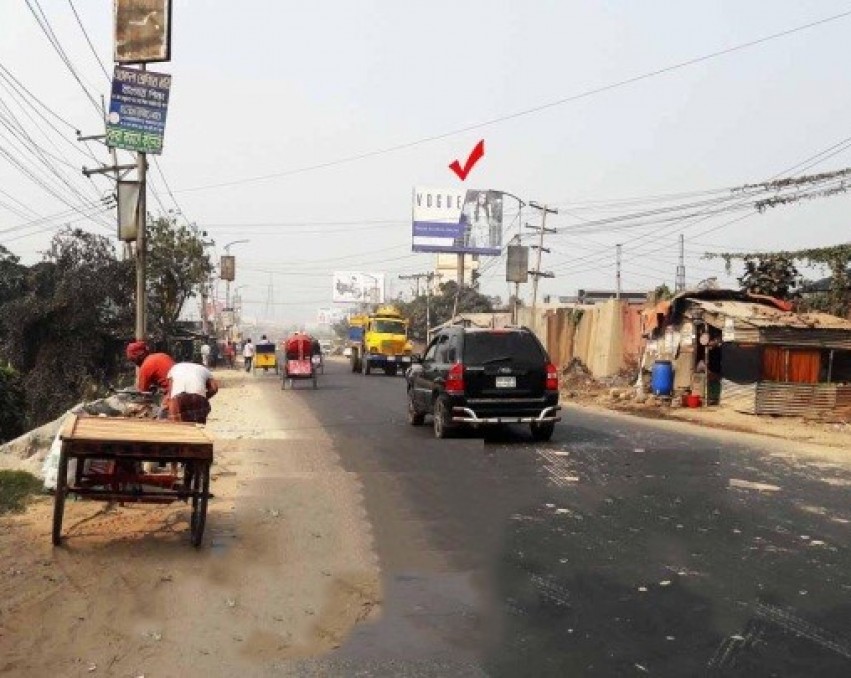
(521, 347)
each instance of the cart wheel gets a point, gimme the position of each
(59, 499)
(315, 381)
(200, 495)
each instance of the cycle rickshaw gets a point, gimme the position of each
(300, 361)
(265, 358)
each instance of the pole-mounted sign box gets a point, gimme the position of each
(142, 31)
(137, 110)
(517, 264)
(128, 210)
(227, 267)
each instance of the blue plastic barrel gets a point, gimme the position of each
(662, 378)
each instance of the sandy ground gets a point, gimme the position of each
(286, 570)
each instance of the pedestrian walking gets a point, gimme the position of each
(205, 354)
(230, 354)
(248, 354)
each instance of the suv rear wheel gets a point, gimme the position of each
(415, 417)
(442, 422)
(543, 432)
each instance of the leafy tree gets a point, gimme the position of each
(176, 267)
(442, 304)
(774, 275)
(12, 404)
(63, 332)
(836, 258)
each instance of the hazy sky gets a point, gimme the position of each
(263, 88)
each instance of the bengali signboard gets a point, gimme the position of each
(454, 220)
(137, 110)
(142, 31)
(354, 287)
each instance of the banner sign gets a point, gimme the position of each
(137, 110)
(517, 264)
(142, 31)
(227, 267)
(455, 220)
(352, 287)
(329, 316)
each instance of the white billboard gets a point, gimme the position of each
(355, 287)
(329, 316)
(464, 221)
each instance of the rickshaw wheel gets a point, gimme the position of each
(200, 495)
(59, 499)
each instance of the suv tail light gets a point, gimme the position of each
(552, 377)
(455, 380)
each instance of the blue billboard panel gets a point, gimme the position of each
(465, 221)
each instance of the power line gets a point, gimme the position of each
(44, 23)
(528, 111)
(88, 40)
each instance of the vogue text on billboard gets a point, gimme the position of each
(462, 221)
(355, 287)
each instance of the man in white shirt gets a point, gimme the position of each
(205, 354)
(248, 354)
(190, 386)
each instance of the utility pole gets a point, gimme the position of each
(680, 283)
(141, 254)
(537, 273)
(429, 278)
(618, 272)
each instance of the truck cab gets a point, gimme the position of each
(380, 341)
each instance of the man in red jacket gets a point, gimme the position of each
(153, 369)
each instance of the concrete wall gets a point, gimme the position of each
(605, 337)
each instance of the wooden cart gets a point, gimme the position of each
(109, 454)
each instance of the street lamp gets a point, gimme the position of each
(227, 282)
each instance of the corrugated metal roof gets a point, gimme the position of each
(763, 316)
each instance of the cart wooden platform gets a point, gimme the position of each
(109, 452)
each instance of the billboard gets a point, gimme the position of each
(354, 287)
(329, 316)
(142, 31)
(467, 221)
(137, 110)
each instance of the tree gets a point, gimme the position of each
(774, 275)
(442, 304)
(64, 330)
(836, 258)
(177, 266)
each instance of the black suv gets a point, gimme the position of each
(484, 377)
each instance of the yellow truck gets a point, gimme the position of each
(379, 340)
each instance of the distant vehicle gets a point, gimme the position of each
(484, 377)
(379, 340)
(325, 345)
(347, 351)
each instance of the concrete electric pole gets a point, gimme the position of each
(537, 273)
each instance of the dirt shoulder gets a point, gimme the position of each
(795, 438)
(287, 568)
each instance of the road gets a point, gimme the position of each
(623, 547)
(342, 541)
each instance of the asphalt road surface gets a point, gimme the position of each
(623, 547)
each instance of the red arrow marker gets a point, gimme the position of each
(477, 154)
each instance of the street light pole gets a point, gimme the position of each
(227, 282)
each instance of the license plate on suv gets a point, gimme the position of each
(506, 382)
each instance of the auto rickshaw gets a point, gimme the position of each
(265, 357)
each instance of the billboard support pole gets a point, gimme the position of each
(141, 300)
(460, 284)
